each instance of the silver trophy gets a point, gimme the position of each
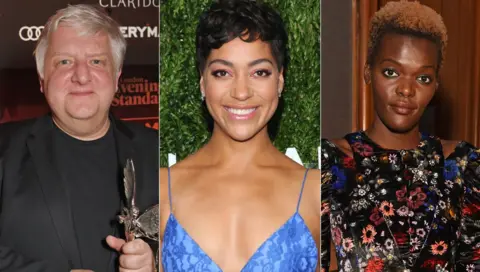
(137, 224)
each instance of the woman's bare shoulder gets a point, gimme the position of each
(313, 175)
(163, 180)
(313, 185)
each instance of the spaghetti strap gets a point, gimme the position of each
(301, 191)
(169, 191)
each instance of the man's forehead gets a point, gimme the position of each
(77, 30)
(67, 41)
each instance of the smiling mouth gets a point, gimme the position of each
(241, 114)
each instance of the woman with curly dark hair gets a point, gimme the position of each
(238, 203)
(393, 198)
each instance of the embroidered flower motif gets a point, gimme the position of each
(371, 197)
(374, 265)
(451, 213)
(389, 244)
(337, 236)
(421, 233)
(442, 204)
(399, 194)
(402, 194)
(470, 209)
(401, 238)
(383, 158)
(392, 158)
(361, 190)
(387, 208)
(348, 244)
(403, 211)
(416, 198)
(415, 244)
(368, 234)
(363, 149)
(347, 267)
(476, 254)
(341, 177)
(359, 178)
(450, 170)
(367, 163)
(349, 162)
(363, 203)
(419, 174)
(439, 248)
(410, 230)
(459, 181)
(376, 217)
(433, 264)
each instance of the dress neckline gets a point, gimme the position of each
(423, 141)
(296, 216)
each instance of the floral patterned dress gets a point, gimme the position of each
(401, 210)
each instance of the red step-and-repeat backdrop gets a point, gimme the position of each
(21, 23)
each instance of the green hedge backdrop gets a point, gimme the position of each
(183, 129)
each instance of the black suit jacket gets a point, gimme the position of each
(36, 226)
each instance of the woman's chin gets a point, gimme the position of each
(242, 133)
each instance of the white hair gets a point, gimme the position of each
(89, 20)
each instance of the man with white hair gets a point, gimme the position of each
(61, 174)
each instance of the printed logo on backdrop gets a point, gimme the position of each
(136, 91)
(129, 3)
(32, 33)
(291, 152)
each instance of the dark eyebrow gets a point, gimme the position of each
(229, 64)
(255, 62)
(398, 63)
(221, 61)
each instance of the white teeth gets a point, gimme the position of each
(241, 111)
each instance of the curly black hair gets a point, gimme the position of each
(248, 20)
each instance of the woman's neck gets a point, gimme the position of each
(386, 138)
(222, 150)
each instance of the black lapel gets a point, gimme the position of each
(40, 145)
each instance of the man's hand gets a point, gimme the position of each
(135, 255)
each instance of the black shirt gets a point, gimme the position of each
(91, 176)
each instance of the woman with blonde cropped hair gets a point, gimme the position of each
(393, 198)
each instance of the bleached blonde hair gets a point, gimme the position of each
(89, 20)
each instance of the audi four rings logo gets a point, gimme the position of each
(30, 33)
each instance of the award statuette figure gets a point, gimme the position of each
(137, 225)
